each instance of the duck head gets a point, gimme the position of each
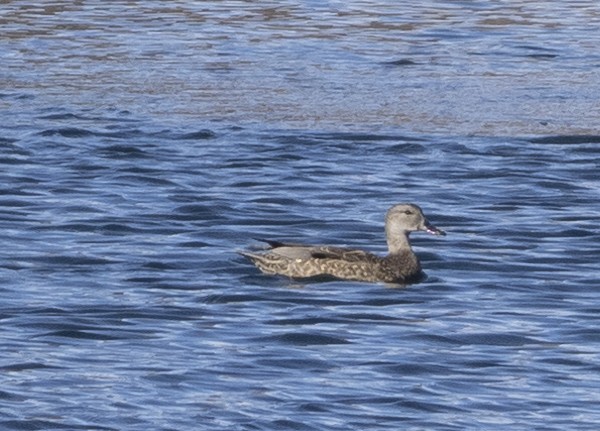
(402, 219)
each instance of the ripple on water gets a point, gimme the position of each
(147, 245)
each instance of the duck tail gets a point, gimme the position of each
(248, 254)
(271, 243)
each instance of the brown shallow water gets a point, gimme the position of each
(511, 68)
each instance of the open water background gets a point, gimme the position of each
(142, 143)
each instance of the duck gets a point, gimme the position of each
(400, 266)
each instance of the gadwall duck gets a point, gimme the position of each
(401, 265)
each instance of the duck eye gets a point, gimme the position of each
(408, 212)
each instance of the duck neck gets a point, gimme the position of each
(398, 242)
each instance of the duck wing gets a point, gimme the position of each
(341, 253)
(305, 252)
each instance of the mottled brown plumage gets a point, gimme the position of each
(401, 265)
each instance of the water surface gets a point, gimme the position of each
(144, 143)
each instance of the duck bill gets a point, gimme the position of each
(429, 228)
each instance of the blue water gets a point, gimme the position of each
(142, 144)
